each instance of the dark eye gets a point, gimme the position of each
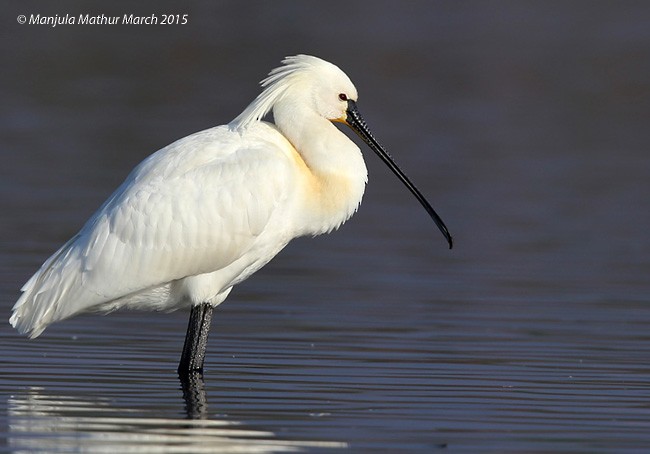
(343, 97)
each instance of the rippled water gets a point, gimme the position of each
(525, 124)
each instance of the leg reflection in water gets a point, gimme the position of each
(196, 404)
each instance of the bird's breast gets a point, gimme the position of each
(328, 199)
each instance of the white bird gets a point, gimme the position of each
(204, 213)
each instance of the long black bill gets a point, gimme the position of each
(356, 122)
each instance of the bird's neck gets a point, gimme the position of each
(333, 170)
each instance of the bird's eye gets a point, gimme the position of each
(343, 97)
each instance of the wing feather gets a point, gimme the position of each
(193, 207)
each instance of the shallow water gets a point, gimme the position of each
(525, 125)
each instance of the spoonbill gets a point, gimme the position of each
(204, 213)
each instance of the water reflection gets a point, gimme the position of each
(40, 421)
(196, 403)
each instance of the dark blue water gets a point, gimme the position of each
(525, 124)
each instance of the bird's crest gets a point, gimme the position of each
(275, 86)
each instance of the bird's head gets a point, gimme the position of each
(307, 85)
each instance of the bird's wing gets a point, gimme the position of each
(191, 208)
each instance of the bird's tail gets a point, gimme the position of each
(43, 294)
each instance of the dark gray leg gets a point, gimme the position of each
(196, 339)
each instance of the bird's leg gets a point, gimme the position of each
(196, 340)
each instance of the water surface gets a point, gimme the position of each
(525, 125)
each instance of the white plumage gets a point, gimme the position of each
(204, 213)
